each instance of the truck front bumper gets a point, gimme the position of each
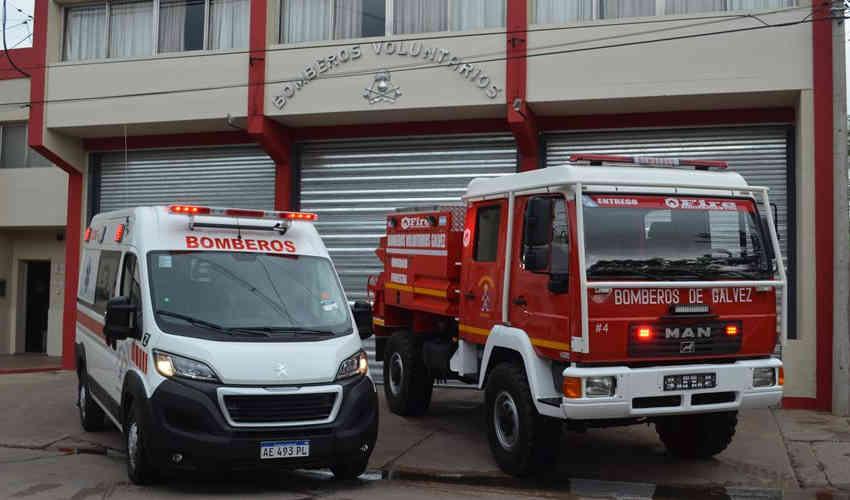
(640, 391)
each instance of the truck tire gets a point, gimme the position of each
(140, 470)
(697, 436)
(522, 441)
(91, 414)
(407, 384)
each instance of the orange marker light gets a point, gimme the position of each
(731, 330)
(781, 375)
(572, 387)
(644, 333)
(119, 233)
(87, 235)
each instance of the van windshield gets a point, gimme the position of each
(680, 238)
(247, 296)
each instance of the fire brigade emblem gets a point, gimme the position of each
(486, 284)
(382, 90)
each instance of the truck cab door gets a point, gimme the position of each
(483, 269)
(539, 298)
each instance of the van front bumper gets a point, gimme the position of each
(640, 391)
(184, 417)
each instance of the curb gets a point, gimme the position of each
(13, 371)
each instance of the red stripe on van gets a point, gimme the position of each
(93, 324)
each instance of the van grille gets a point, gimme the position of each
(680, 343)
(279, 408)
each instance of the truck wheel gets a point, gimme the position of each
(139, 467)
(350, 469)
(407, 384)
(522, 441)
(91, 414)
(697, 436)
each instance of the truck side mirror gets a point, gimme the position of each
(118, 311)
(537, 258)
(537, 226)
(362, 312)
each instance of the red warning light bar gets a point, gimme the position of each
(595, 159)
(243, 213)
(119, 233)
(87, 236)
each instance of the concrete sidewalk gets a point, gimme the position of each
(28, 363)
(782, 449)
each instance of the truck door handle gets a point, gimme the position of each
(469, 295)
(520, 301)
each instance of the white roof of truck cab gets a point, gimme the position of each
(156, 228)
(607, 177)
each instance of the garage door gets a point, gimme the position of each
(760, 154)
(352, 185)
(237, 176)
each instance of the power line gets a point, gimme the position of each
(22, 40)
(6, 48)
(470, 59)
(348, 43)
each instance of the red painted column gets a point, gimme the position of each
(824, 210)
(72, 266)
(520, 117)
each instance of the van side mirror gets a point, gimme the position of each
(362, 312)
(118, 311)
(537, 226)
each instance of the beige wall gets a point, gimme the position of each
(20, 247)
(12, 94)
(32, 197)
(772, 59)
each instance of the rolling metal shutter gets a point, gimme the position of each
(237, 176)
(352, 185)
(760, 154)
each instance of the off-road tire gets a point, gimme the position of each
(697, 436)
(350, 469)
(537, 438)
(409, 389)
(139, 467)
(91, 414)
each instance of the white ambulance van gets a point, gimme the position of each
(218, 338)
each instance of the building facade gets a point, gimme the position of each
(350, 108)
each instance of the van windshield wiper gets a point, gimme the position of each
(284, 329)
(214, 326)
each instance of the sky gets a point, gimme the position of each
(19, 30)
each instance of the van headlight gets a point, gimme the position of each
(354, 365)
(171, 365)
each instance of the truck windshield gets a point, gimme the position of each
(247, 296)
(673, 238)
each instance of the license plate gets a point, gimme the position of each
(690, 381)
(284, 449)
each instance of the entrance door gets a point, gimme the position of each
(38, 302)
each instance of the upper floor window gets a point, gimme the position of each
(316, 20)
(14, 152)
(570, 11)
(133, 28)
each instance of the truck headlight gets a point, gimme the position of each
(599, 387)
(171, 365)
(764, 377)
(353, 365)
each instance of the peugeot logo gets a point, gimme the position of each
(281, 370)
(687, 347)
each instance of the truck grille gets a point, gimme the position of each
(685, 344)
(279, 408)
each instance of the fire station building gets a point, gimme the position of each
(350, 108)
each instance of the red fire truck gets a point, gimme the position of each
(609, 291)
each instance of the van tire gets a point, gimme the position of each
(699, 436)
(350, 469)
(91, 414)
(522, 441)
(139, 467)
(407, 384)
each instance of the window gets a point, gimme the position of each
(571, 11)
(315, 20)
(131, 287)
(14, 152)
(135, 28)
(559, 252)
(107, 272)
(487, 222)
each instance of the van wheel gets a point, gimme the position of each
(139, 467)
(91, 414)
(350, 469)
(697, 436)
(407, 383)
(522, 441)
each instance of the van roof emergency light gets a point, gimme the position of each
(242, 213)
(650, 161)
